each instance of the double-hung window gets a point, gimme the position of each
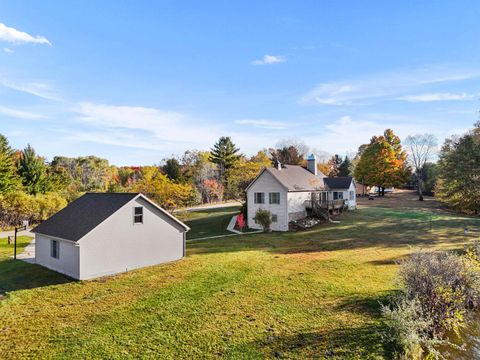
(259, 198)
(338, 195)
(138, 215)
(274, 198)
(274, 218)
(352, 195)
(54, 249)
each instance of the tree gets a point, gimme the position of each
(9, 180)
(345, 168)
(162, 190)
(420, 149)
(458, 183)
(383, 162)
(225, 155)
(172, 169)
(334, 164)
(243, 173)
(301, 148)
(32, 170)
(287, 156)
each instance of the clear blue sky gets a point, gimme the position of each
(136, 81)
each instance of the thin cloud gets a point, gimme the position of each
(20, 114)
(263, 124)
(270, 59)
(15, 36)
(38, 89)
(8, 50)
(428, 97)
(376, 86)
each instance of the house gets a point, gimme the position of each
(290, 192)
(107, 233)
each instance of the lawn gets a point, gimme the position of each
(290, 295)
(208, 222)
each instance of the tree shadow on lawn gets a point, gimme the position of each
(349, 236)
(364, 341)
(19, 275)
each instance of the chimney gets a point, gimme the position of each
(312, 164)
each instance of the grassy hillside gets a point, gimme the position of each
(290, 295)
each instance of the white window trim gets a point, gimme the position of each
(255, 197)
(270, 196)
(135, 215)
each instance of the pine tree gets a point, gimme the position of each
(345, 168)
(32, 171)
(224, 154)
(9, 180)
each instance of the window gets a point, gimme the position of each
(54, 249)
(337, 195)
(138, 215)
(274, 198)
(274, 218)
(259, 198)
(352, 195)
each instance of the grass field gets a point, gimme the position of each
(208, 222)
(311, 294)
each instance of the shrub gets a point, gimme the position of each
(439, 288)
(264, 218)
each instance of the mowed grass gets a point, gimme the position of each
(208, 222)
(312, 294)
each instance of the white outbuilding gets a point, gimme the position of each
(103, 234)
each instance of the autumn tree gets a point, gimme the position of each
(458, 183)
(383, 162)
(172, 169)
(224, 154)
(420, 149)
(334, 163)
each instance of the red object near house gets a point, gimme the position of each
(241, 222)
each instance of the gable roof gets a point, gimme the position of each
(338, 182)
(86, 213)
(297, 178)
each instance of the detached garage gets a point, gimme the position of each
(107, 233)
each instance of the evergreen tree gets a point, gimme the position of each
(224, 154)
(345, 168)
(172, 169)
(9, 180)
(458, 183)
(287, 156)
(32, 171)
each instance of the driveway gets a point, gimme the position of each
(210, 206)
(4, 234)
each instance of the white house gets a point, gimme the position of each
(107, 233)
(286, 191)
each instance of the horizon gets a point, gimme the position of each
(158, 79)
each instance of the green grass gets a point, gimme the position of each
(209, 222)
(291, 295)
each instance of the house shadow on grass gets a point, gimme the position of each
(19, 275)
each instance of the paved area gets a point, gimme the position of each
(28, 254)
(4, 234)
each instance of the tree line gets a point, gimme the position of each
(34, 188)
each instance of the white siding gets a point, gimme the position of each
(266, 183)
(67, 262)
(296, 204)
(118, 245)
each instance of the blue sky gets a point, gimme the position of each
(136, 81)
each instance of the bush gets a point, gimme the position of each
(439, 288)
(264, 218)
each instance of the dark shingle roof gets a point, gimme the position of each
(338, 182)
(82, 215)
(297, 178)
